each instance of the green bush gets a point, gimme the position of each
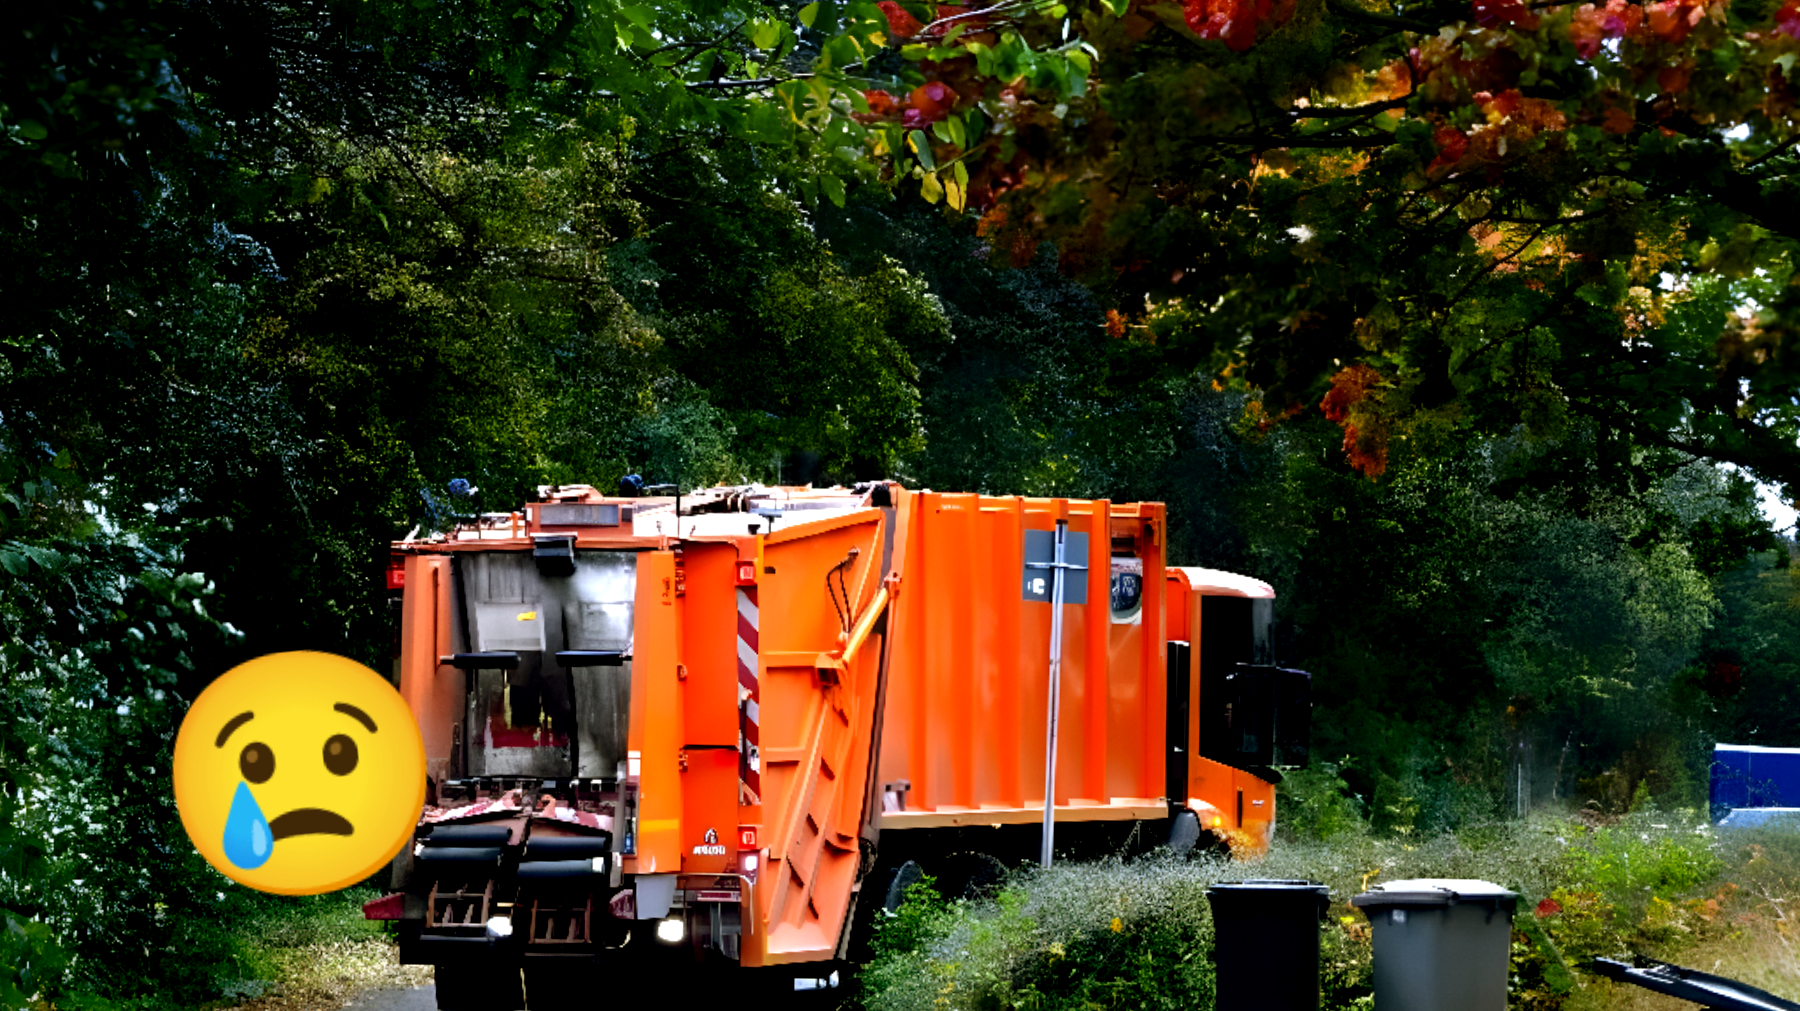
(1316, 804)
(1106, 935)
(1635, 861)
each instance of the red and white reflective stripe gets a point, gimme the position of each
(749, 754)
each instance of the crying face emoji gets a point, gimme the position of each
(299, 773)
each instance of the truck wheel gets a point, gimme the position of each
(970, 875)
(903, 877)
(1184, 832)
(479, 986)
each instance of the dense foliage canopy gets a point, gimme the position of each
(1440, 316)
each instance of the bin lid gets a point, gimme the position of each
(1267, 896)
(1437, 892)
(1271, 885)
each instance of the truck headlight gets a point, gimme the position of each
(499, 927)
(671, 930)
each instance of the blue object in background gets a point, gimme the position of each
(1762, 817)
(1747, 776)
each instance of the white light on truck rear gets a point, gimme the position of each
(499, 926)
(671, 930)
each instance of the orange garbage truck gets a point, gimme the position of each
(735, 725)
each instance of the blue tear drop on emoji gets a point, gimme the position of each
(248, 841)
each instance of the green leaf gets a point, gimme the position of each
(931, 189)
(941, 129)
(961, 171)
(921, 146)
(841, 52)
(810, 13)
(763, 34)
(1117, 7)
(639, 15)
(31, 129)
(833, 187)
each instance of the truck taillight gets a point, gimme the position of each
(396, 574)
(746, 573)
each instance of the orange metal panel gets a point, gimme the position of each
(1176, 607)
(709, 707)
(709, 810)
(1212, 791)
(709, 644)
(815, 737)
(434, 693)
(1153, 655)
(657, 726)
(968, 687)
(1257, 826)
(999, 782)
(1097, 619)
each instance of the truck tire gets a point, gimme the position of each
(898, 881)
(1184, 833)
(969, 875)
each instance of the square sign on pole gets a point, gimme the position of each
(1040, 556)
(1048, 572)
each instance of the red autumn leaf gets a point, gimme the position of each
(1347, 388)
(1452, 144)
(1548, 907)
(1233, 22)
(1504, 104)
(900, 22)
(1787, 19)
(1494, 13)
(881, 103)
(951, 11)
(933, 100)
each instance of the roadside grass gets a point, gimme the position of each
(303, 953)
(1138, 934)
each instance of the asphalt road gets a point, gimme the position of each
(418, 998)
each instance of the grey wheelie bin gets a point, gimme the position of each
(1441, 944)
(1266, 944)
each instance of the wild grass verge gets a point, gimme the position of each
(1138, 934)
(307, 953)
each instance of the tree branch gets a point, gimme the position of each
(1264, 141)
(1350, 112)
(760, 82)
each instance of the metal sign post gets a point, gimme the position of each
(1057, 565)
